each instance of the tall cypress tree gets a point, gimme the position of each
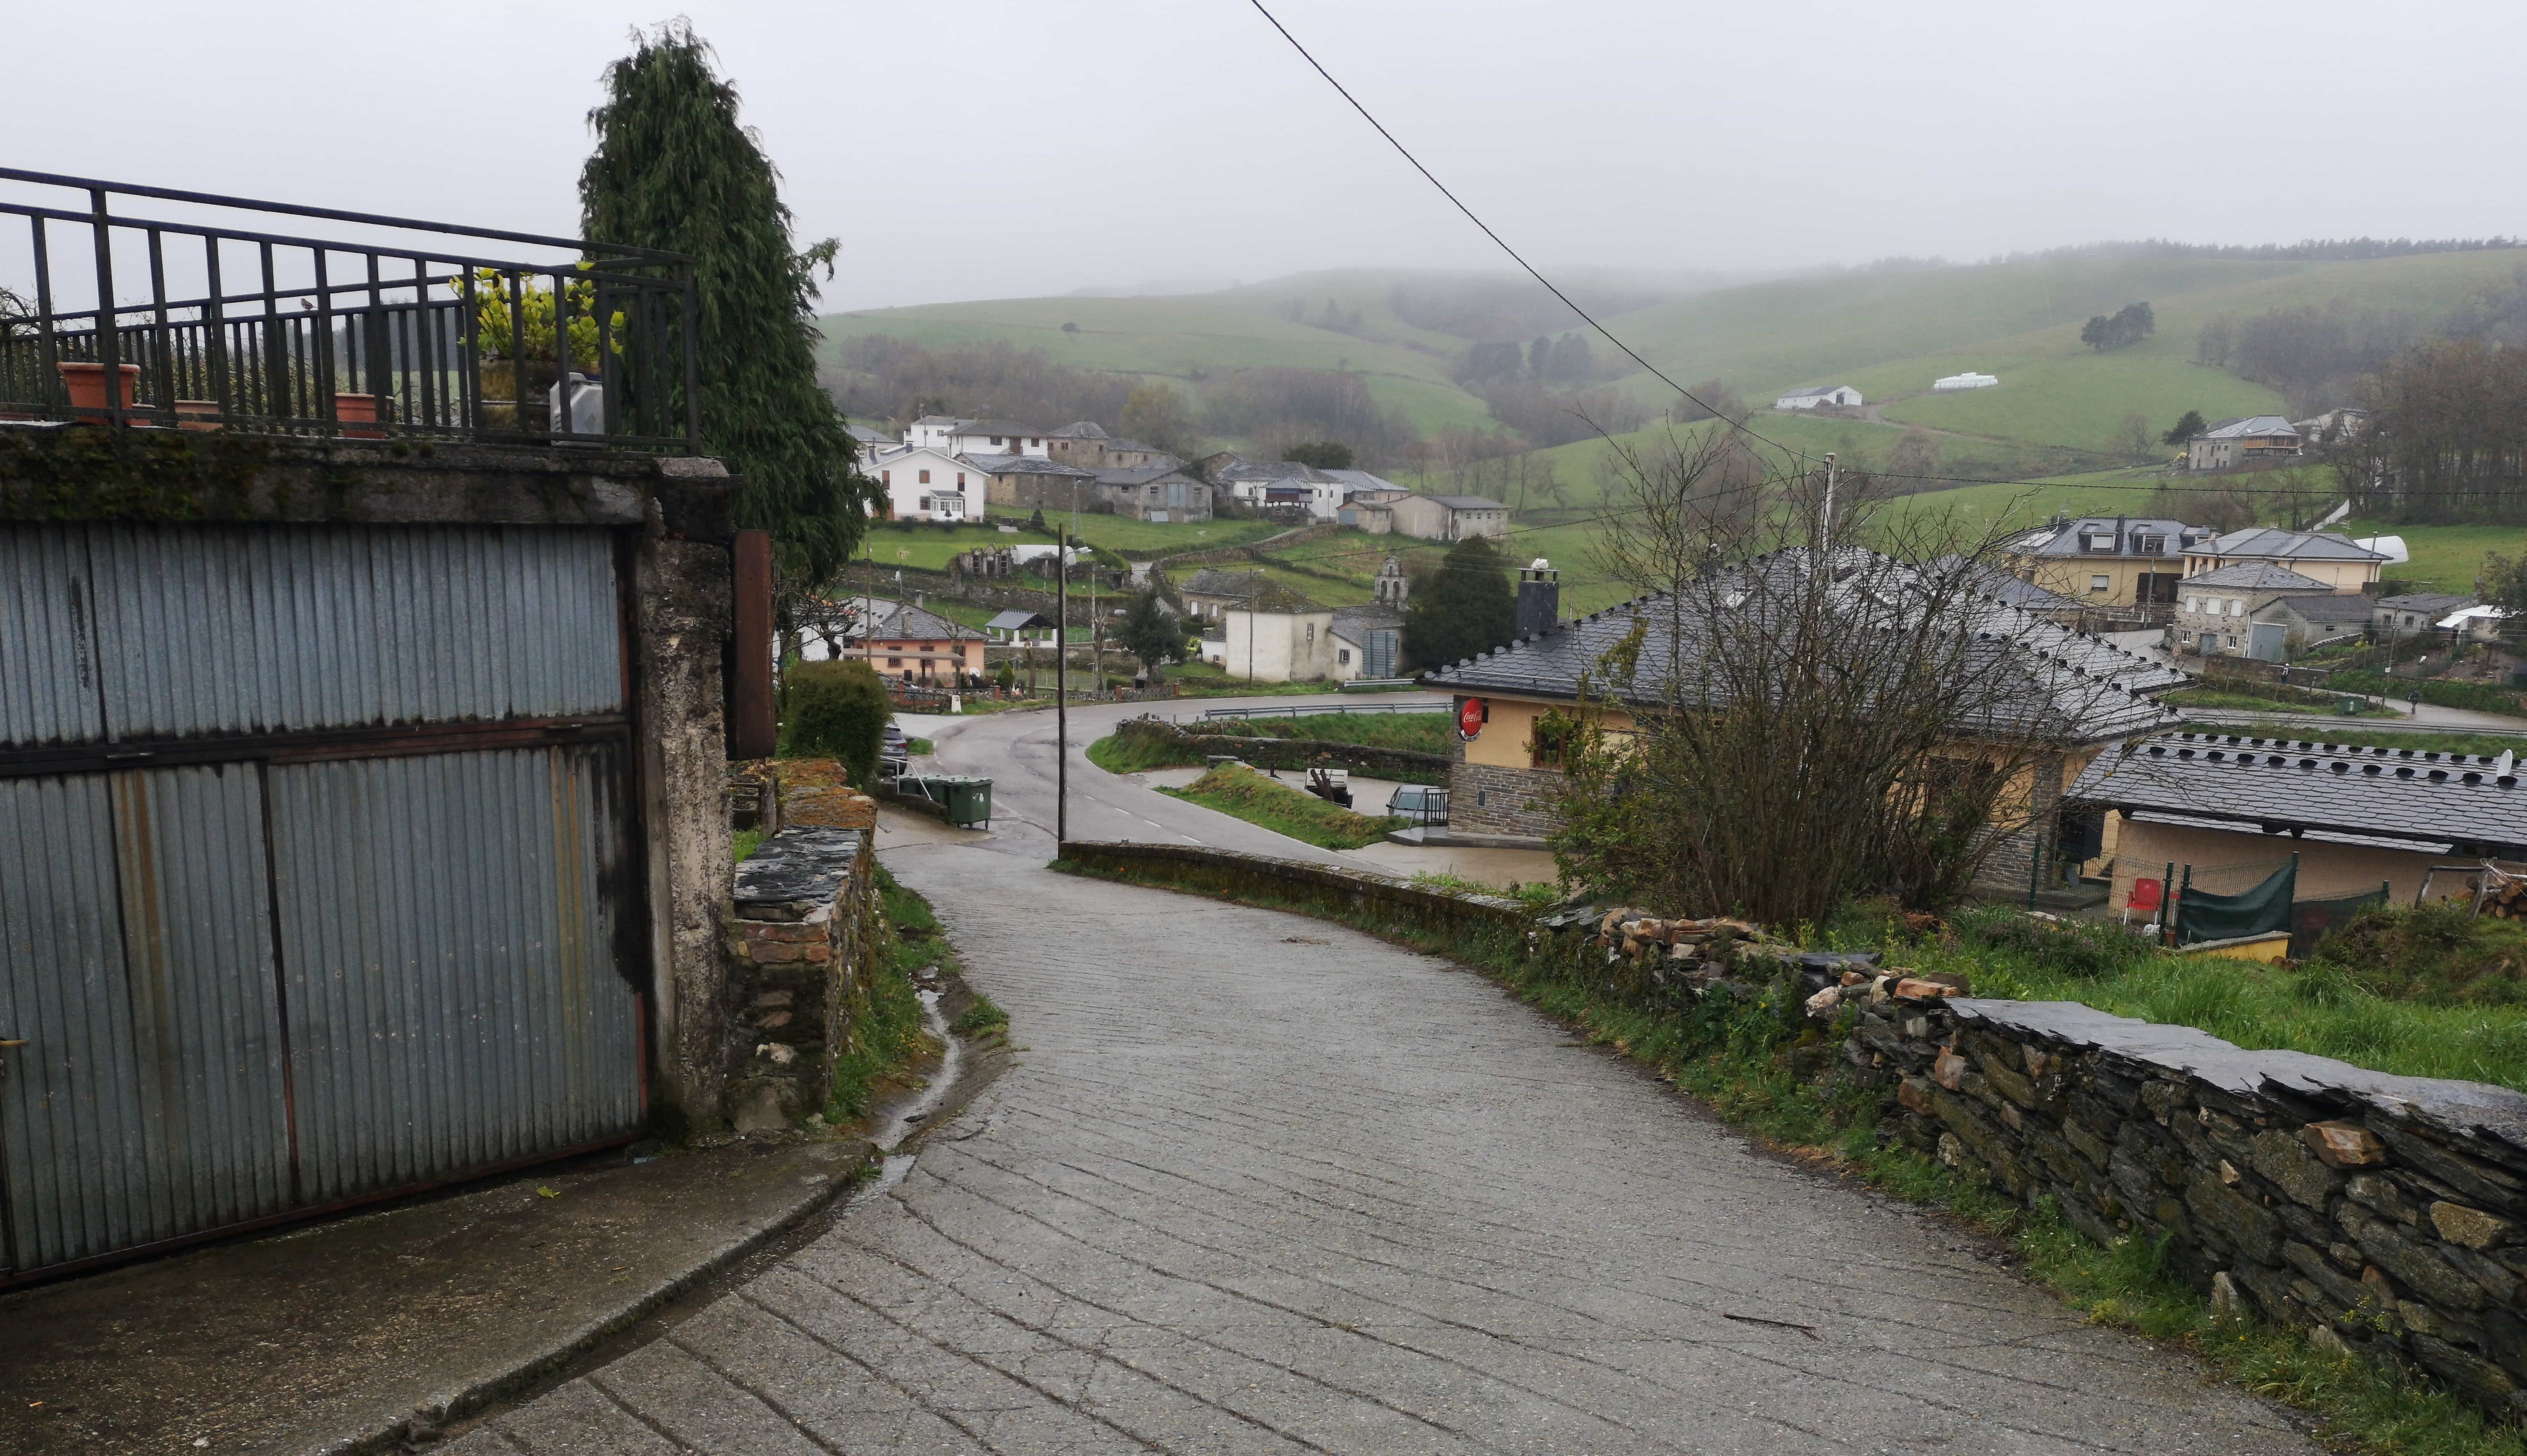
(673, 170)
(1463, 608)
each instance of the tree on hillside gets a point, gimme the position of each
(1153, 634)
(1571, 361)
(1463, 607)
(1914, 456)
(2187, 427)
(1324, 455)
(1539, 355)
(2134, 439)
(2128, 324)
(1155, 415)
(673, 170)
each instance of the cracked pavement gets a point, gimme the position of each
(1259, 1184)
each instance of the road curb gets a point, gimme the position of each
(482, 1392)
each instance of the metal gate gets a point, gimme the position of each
(315, 872)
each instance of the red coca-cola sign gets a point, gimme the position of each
(1470, 717)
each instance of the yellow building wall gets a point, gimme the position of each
(2068, 576)
(1505, 739)
(2142, 851)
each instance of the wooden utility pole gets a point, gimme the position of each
(1062, 693)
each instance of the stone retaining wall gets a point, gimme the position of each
(1323, 888)
(803, 940)
(2387, 1212)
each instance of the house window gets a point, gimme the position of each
(925, 480)
(886, 477)
(2098, 584)
(895, 662)
(1311, 634)
(2237, 607)
(1343, 655)
(996, 440)
(960, 480)
(925, 503)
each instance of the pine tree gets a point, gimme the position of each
(1153, 634)
(673, 170)
(1463, 608)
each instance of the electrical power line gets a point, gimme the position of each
(1503, 244)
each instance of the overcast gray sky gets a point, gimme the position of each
(995, 148)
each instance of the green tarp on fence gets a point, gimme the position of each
(2201, 915)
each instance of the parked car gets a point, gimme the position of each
(894, 750)
(1420, 804)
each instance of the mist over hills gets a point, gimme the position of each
(1415, 366)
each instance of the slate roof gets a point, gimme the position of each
(950, 422)
(1466, 502)
(2339, 608)
(913, 624)
(1016, 620)
(1211, 581)
(2256, 576)
(2233, 428)
(1810, 391)
(2069, 540)
(2442, 802)
(1269, 470)
(1023, 465)
(2439, 603)
(2087, 686)
(1002, 427)
(1137, 475)
(2026, 595)
(2289, 546)
(1275, 597)
(1078, 429)
(1362, 480)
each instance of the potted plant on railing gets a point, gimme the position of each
(515, 346)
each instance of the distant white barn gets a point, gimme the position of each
(1966, 380)
(1841, 394)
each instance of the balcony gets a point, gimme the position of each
(207, 319)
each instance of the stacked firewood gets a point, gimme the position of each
(2505, 899)
(1629, 932)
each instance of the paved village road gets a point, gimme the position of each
(1259, 1184)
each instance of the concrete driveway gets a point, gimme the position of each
(1257, 1183)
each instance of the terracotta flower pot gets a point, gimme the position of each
(88, 386)
(197, 414)
(357, 409)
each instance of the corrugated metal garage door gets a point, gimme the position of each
(315, 845)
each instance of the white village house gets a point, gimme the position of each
(1843, 396)
(925, 483)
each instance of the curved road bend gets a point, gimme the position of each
(1259, 1184)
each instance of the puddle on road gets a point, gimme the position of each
(915, 1114)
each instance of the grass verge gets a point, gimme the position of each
(1238, 790)
(2312, 1010)
(1738, 1058)
(1118, 753)
(889, 1038)
(2248, 702)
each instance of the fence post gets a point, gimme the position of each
(2178, 901)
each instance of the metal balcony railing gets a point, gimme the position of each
(409, 330)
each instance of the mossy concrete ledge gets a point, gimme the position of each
(1327, 889)
(138, 476)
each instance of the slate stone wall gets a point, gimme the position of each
(2387, 1212)
(1320, 887)
(802, 945)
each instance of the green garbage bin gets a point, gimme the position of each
(2351, 706)
(968, 798)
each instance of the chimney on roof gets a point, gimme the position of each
(1539, 598)
(2119, 536)
(916, 599)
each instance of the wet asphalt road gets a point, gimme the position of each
(1264, 1184)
